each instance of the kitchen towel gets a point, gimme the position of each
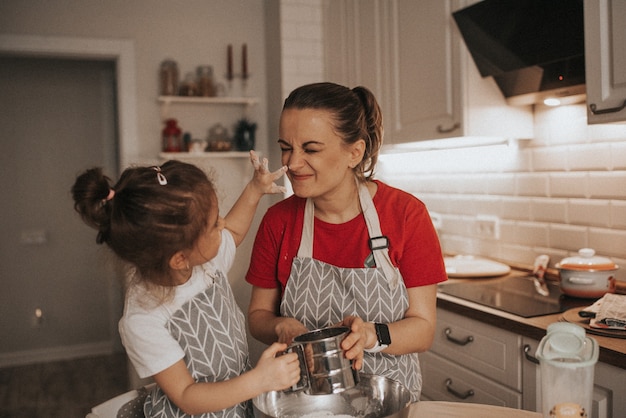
(610, 312)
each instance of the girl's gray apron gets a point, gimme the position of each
(211, 329)
(320, 294)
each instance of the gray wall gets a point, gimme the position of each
(193, 32)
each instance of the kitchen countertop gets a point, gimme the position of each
(612, 350)
(466, 410)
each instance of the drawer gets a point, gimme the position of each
(482, 348)
(442, 377)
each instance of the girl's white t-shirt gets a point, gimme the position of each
(142, 328)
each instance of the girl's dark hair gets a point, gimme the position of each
(153, 213)
(356, 115)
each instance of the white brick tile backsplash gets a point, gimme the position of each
(618, 156)
(548, 210)
(501, 184)
(610, 185)
(488, 205)
(589, 212)
(464, 205)
(549, 158)
(617, 210)
(567, 184)
(568, 237)
(531, 184)
(608, 242)
(589, 157)
(531, 234)
(516, 208)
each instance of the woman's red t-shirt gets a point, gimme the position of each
(413, 243)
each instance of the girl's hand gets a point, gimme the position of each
(355, 341)
(263, 180)
(278, 371)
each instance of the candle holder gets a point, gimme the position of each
(231, 75)
(232, 86)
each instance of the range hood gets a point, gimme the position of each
(534, 49)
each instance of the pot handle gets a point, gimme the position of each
(580, 280)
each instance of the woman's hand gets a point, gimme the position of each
(279, 371)
(288, 329)
(356, 340)
(264, 180)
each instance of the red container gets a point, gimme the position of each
(172, 136)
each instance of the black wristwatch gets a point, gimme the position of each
(383, 339)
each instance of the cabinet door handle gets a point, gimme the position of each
(457, 341)
(530, 358)
(594, 109)
(457, 393)
(443, 130)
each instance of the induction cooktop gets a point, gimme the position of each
(514, 295)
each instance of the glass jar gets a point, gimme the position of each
(205, 81)
(169, 78)
(189, 86)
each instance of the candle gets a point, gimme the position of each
(244, 61)
(229, 71)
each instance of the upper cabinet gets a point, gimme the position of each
(410, 54)
(605, 56)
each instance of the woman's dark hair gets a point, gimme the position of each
(355, 112)
(148, 215)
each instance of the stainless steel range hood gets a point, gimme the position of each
(534, 49)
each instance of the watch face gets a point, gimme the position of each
(382, 332)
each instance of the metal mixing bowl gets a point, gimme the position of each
(372, 397)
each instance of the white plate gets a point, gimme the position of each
(471, 266)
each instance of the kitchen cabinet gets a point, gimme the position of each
(474, 362)
(198, 114)
(605, 60)
(421, 74)
(609, 384)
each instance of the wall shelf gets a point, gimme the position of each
(200, 155)
(247, 101)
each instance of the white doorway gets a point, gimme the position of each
(60, 114)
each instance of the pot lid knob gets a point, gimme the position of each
(586, 252)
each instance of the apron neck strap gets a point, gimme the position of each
(378, 243)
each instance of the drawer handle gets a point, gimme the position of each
(457, 393)
(443, 130)
(594, 109)
(530, 358)
(450, 338)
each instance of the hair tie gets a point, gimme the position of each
(160, 176)
(109, 197)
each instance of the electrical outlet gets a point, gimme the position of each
(487, 227)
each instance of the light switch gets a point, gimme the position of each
(33, 237)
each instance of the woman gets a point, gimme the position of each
(345, 248)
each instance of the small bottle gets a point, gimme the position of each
(169, 78)
(205, 81)
(172, 136)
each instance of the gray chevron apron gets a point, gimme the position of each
(211, 329)
(320, 294)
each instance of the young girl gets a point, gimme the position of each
(181, 324)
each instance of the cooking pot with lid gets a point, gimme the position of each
(587, 275)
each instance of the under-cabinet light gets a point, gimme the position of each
(454, 143)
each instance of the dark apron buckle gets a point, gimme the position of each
(378, 243)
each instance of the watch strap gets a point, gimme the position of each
(383, 339)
